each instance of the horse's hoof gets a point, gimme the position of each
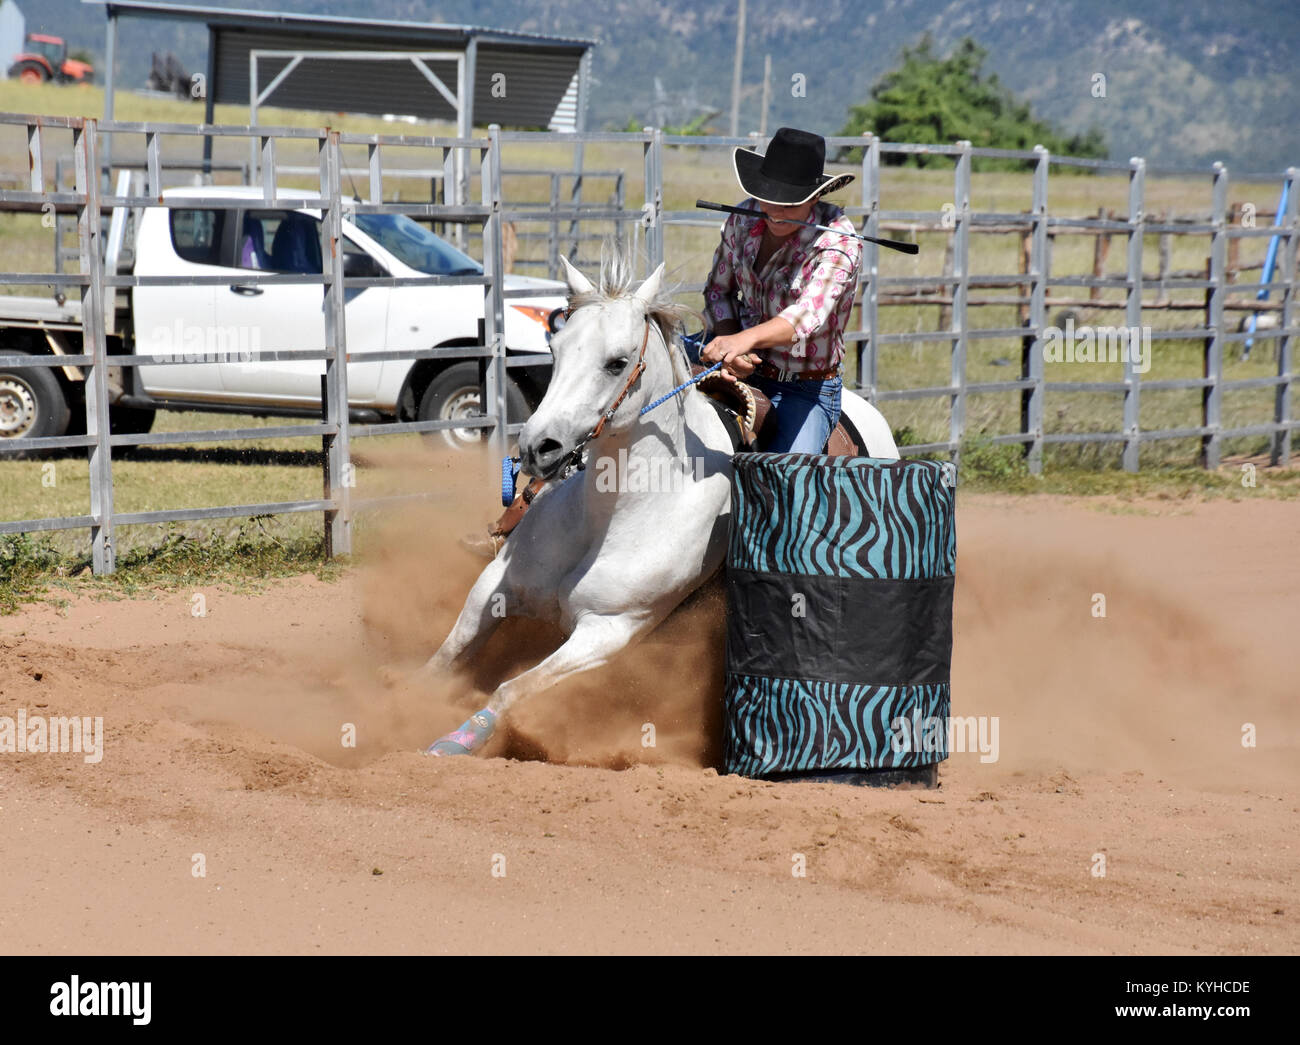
(446, 747)
(472, 735)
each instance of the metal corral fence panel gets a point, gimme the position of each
(1037, 227)
(335, 429)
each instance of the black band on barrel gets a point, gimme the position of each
(854, 630)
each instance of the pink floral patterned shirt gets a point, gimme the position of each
(809, 281)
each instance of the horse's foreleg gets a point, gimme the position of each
(593, 641)
(485, 608)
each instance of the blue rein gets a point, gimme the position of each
(510, 465)
(680, 388)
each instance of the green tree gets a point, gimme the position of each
(933, 100)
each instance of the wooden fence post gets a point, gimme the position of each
(1100, 249)
(1166, 248)
(553, 239)
(1022, 307)
(945, 309)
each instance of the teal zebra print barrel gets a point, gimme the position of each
(839, 614)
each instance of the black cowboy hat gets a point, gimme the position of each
(791, 172)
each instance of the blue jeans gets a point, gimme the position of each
(804, 413)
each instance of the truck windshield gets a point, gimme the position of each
(416, 246)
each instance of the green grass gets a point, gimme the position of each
(235, 551)
(35, 568)
(992, 468)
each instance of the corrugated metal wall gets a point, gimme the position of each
(13, 33)
(565, 117)
(513, 87)
(535, 84)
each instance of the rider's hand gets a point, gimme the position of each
(736, 352)
(740, 367)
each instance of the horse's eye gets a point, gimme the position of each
(616, 366)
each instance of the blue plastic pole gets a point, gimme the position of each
(1270, 262)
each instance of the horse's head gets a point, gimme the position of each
(596, 354)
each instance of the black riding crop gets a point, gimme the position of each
(892, 244)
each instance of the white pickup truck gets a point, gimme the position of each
(233, 324)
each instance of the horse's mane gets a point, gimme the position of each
(615, 282)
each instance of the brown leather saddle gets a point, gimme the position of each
(742, 407)
(745, 408)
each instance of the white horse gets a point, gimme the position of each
(608, 552)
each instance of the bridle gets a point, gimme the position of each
(572, 461)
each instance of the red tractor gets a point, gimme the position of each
(47, 59)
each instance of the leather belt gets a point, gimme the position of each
(767, 370)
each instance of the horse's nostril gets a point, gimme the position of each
(547, 449)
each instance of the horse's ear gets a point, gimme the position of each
(578, 283)
(649, 290)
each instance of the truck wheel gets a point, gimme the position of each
(32, 404)
(455, 393)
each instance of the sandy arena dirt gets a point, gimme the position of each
(1119, 736)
